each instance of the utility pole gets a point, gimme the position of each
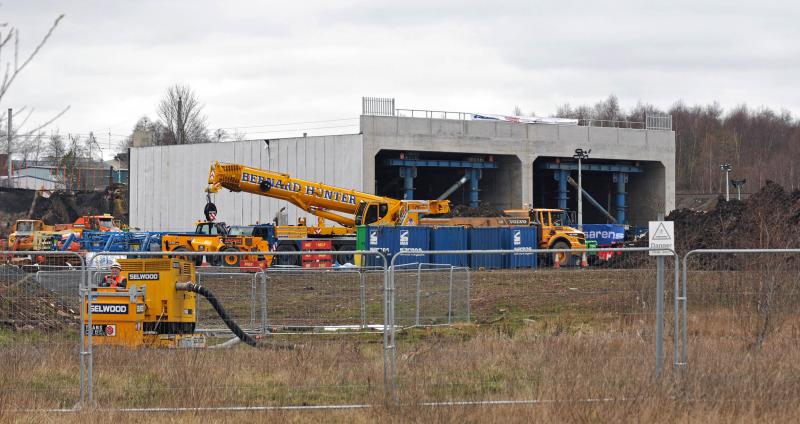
(10, 164)
(726, 168)
(179, 129)
(581, 154)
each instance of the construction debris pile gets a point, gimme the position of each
(24, 305)
(60, 205)
(768, 219)
(468, 212)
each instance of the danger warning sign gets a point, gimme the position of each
(662, 236)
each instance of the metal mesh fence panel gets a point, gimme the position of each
(430, 294)
(237, 291)
(324, 299)
(566, 333)
(39, 333)
(318, 340)
(743, 326)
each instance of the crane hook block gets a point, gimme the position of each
(210, 211)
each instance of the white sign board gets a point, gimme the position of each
(662, 236)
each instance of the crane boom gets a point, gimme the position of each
(323, 200)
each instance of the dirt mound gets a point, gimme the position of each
(60, 206)
(24, 305)
(767, 219)
(65, 206)
(14, 205)
(468, 212)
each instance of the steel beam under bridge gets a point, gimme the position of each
(408, 171)
(619, 176)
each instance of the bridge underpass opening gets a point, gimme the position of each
(430, 174)
(628, 191)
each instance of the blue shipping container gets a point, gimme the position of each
(604, 234)
(486, 239)
(449, 238)
(392, 240)
(522, 239)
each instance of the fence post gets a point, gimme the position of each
(253, 302)
(450, 298)
(82, 350)
(677, 320)
(387, 377)
(264, 326)
(363, 296)
(419, 292)
(659, 315)
(392, 328)
(90, 331)
(469, 283)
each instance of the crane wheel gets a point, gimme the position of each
(231, 260)
(347, 257)
(286, 260)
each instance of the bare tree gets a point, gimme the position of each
(29, 147)
(220, 135)
(517, 111)
(239, 135)
(56, 147)
(182, 115)
(145, 132)
(13, 66)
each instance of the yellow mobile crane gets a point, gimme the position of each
(348, 208)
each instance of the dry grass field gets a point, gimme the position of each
(581, 343)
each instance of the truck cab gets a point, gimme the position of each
(210, 228)
(555, 230)
(97, 223)
(22, 233)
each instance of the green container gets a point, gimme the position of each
(591, 244)
(361, 237)
(361, 243)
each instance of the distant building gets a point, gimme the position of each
(84, 175)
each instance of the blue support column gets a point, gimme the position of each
(474, 176)
(408, 173)
(620, 178)
(561, 176)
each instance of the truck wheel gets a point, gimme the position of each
(215, 260)
(231, 260)
(563, 258)
(198, 260)
(347, 257)
(286, 260)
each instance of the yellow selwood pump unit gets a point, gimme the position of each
(156, 309)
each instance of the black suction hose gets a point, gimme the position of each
(208, 294)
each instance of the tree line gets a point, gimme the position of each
(760, 143)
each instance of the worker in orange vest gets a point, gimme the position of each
(115, 280)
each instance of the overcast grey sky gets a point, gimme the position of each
(278, 62)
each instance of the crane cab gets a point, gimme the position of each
(370, 212)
